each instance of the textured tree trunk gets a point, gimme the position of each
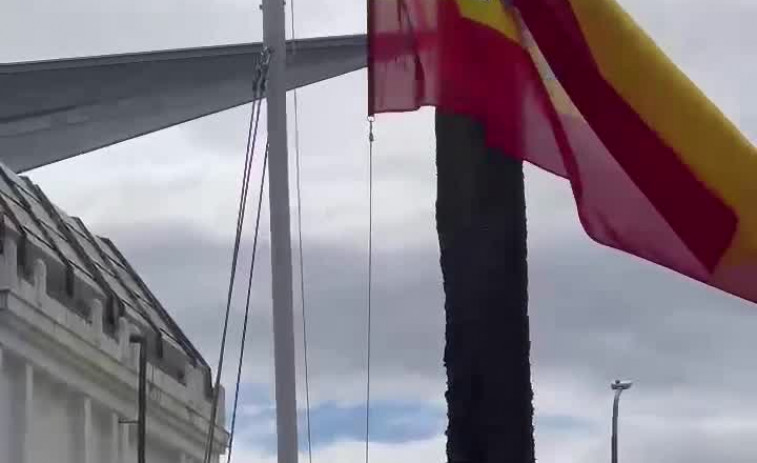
(481, 222)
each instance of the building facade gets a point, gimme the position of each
(69, 301)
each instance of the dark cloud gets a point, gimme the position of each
(565, 424)
(190, 271)
(596, 315)
(605, 312)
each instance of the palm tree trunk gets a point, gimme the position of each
(481, 222)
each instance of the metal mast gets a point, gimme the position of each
(281, 251)
(618, 387)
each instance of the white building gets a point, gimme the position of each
(68, 374)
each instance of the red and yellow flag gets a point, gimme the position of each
(576, 87)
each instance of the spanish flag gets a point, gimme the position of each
(577, 88)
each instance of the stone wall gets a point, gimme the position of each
(67, 386)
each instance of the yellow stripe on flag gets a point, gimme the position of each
(491, 13)
(671, 105)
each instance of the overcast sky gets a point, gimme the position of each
(169, 200)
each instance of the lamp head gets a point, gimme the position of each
(621, 385)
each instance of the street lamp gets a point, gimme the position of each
(618, 386)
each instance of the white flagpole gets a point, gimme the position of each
(281, 251)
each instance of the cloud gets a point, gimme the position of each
(424, 451)
(88, 28)
(567, 424)
(47, 29)
(679, 339)
(189, 270)
(332, 423)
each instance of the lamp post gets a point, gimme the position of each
(618, 386)
(142, 407)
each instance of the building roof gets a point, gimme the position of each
(82, 265)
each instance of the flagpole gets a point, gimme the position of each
(281, 252)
